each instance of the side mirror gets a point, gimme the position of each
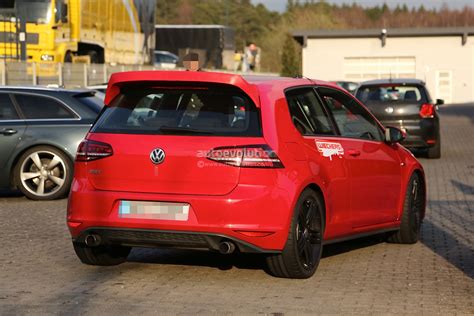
(439, 101)
(394, 135)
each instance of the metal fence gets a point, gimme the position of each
(67, 75)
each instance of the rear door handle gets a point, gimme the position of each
(8, 131)
(353, 152)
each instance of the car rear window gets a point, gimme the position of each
(185, 109)
(390, 93)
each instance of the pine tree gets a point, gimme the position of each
(290, 58)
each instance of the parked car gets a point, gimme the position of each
(348, 85)
(165, 59)
(40, 129)
(277, 166)
(406, 104)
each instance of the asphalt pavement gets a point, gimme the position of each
(40, 274)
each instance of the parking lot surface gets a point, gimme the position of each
(40, 274)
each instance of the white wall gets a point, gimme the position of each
(324, 59)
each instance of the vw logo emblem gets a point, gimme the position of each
(157, 156)
(389, 110)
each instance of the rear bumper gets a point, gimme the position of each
(161, 238)
(421, 133)
(255, 217)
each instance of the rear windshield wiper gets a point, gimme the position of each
(183, 130)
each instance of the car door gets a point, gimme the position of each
(313, 121)
(12, 128)
(374, 166)
(50, 121)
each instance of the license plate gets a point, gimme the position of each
(154, 210)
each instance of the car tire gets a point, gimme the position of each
(301, 255)
(413, 208)
(101, 255)
(434, 152)
(43, 173)
(68, 57)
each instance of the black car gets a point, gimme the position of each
(40, 129)
(406, 104)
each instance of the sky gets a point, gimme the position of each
(279, 5)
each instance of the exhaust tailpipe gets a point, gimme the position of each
(226, 247)
(92, 240)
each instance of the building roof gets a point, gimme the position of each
(302, 35)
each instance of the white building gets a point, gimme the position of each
(442, 57)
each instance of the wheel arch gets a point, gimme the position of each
(417, 169)
(83, 48)
(17, 156)
(317, 189)
(421, 174)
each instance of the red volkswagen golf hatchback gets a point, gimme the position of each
(276, 166)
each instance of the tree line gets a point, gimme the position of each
(270, 30)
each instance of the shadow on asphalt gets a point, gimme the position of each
(351, 245)
(76, 301)
(464, 188)
(197, 258)
(10, 193)
(455, 252)
(452, 240)
(440, 240)
(238, 260)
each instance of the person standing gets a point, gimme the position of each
(252, 54)
(238, 56)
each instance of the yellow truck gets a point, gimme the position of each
(98, 31)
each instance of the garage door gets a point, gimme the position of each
(368, 68)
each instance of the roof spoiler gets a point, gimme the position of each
(117, 80)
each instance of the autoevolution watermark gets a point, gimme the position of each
(209, 163)
(235, 152)
(222, 156)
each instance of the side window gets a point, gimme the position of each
(351, 119)
(307, 113)
(161, 58)
(61, 11)
(7, 110)
(37, 107)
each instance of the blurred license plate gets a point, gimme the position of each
(154, 210)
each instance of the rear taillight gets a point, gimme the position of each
(427, 110)
(91, 150)
(252, 156)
